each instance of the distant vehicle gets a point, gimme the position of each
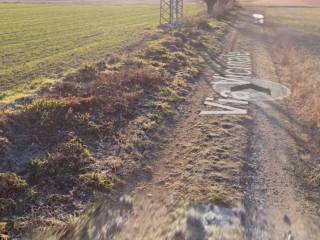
(258, 18)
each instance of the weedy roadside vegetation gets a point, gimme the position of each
(300, 71)
(90, 132)
(296, 58)
(303, 79)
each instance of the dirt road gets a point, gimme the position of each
(223, 176)
(274, 200)
(275, 204)
(199, 161)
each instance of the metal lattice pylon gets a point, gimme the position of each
(171, 12)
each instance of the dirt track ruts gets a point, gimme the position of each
(274, 200)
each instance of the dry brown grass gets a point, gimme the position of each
(301, 72)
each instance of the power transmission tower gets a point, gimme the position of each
(171, 12)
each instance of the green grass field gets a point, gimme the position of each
(45, 40)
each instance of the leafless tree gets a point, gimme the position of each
(210, 4)
(218, 6)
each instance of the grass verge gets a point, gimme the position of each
(91, 131)
(299, 70)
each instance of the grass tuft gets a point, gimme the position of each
(63, 164)
(14, 193)
(100, 181)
